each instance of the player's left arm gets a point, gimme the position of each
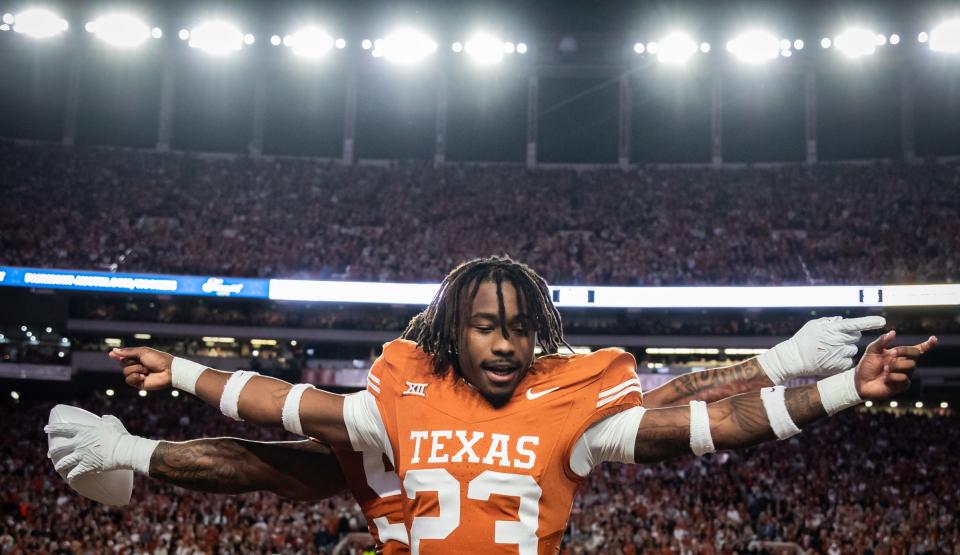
(751, 418)
(822, 346)
(709, 385)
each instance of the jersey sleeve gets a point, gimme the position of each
(612, 439)
(364, 423)
(373, 413)
(615, 389)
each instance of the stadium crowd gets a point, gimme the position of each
(99, 208)
(863, 482)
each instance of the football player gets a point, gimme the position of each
(489, 443)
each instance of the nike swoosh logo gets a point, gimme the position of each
(532, 396)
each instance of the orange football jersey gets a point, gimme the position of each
(375, 486)
(493, 480)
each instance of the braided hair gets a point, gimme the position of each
(436, 330)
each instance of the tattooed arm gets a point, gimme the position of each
(741, 421)
(709, 385)
(737, 422)
(304, 470)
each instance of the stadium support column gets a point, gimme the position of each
(350, 117)
(625, 115)
(533, 94)
(716, 121)
(440, 141)
(255, 148)
(907, 138)
(167, 88)
(72, 102)
(810, 114)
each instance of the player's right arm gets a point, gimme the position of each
(242, 395)
(749, 419)
(303, 470)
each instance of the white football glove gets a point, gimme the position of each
(98, 448)
(822, 346)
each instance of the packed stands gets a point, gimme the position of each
(98, 208)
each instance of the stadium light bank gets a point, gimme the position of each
(122, 30)
(36, 23)
(216, 37)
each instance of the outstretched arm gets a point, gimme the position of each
(302, 470)
(736, 422)
(743, 420)
(823, 346)
(259, 400)
(709, 385)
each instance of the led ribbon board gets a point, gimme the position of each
(419, 294)
(79, 280)
(846, 296)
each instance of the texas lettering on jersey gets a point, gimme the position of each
(493, 480)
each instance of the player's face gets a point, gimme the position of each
(491, 362)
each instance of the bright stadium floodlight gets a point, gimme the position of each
(121, 30)
(676, 48)
(39, 23)
(404, 46)
(310, 42)
(894, 39)
(825, 42)
(484, 49)
(639, 48)
(798, 44)
(856, 42)
(946, 37)
(923, 37)
(754, 47)
(216, 37)
(7, 19)
(521, 48)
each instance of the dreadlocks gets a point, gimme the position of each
(436, 330)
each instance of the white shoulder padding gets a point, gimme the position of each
(610, 440)
(364, 423)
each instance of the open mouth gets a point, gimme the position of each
(500, 373)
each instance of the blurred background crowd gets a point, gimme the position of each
(863, 482)
(99, 208)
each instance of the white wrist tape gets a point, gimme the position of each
(291, 409)
(231, 393)
(701, 440)
(134, 452)
(839, 392)
(185, 373)
(776, 406)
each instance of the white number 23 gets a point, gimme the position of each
(522, 532)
